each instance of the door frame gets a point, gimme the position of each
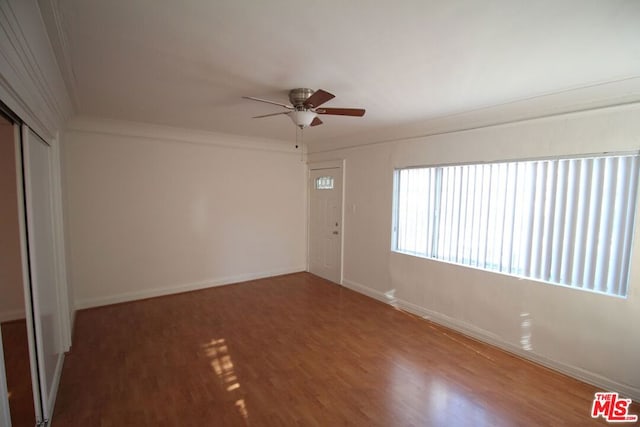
(60, 277)
(330, 164)
(43, 400)
(5, 416)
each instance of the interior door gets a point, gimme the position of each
(325, 223)
(42, 294)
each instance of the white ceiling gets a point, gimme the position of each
(187, 63)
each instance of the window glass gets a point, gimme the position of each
(324, 183)
(563, 221)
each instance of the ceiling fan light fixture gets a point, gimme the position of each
(302, 118)
(304, 110)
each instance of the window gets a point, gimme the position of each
(563, 221)
(324, 183)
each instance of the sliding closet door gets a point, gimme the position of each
(5, 416)
(42, 267)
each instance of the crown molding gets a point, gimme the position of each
(619, 93)
(154, 132)
(27, 79)
(54, 22)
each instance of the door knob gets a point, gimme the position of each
(335, 232)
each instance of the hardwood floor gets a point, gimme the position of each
(16, 360)
(298, 350)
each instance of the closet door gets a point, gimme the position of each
(42, 267)
(5, 416)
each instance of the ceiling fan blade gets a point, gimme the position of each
(356, 112)
(272, 114)
(316, 121)
(268, 102)
(318, 98)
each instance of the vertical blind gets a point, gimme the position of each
(564, 221)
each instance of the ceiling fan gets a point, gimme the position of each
(304, 108)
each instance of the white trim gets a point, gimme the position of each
(479, 334)
(24, 86)
(10, 315)
(26, 280)
(59, 244)
(36, 302)
(342, 217)
(154, 132)
(53, 17)
(362, 289)
(5, 416)
(619, 94)
(51, 404)
(307, 216)
(330, 164)
(82, 303)
(72, 324)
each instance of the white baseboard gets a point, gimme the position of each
(354, 286)
(157, 292)
(6, 316)
(485, 336)
(72, 325)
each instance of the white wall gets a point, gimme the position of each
(11, 289)
(154, 210)
(590, 336)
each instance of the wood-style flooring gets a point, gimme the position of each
(17, 368)
(297, 350)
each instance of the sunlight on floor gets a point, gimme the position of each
(242, 407)
(447, 404)
(223, 367)
(415, 396)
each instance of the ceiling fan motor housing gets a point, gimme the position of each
(298, 96)
(304, 111)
